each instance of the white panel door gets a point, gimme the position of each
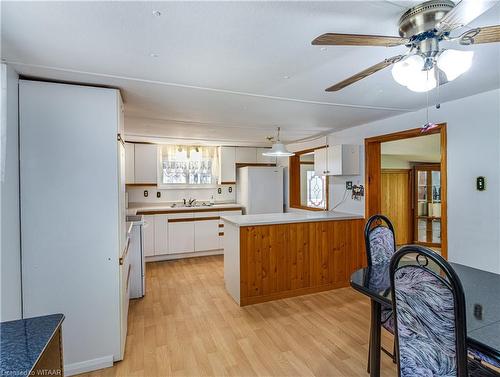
(146, 164)
(227, 166)
(206, 235)
(181, 237)
(265, 159)
(246, 155)
(149, 235)
(320, 161)
(161, 234)
(129, 163)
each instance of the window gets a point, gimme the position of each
(315, 190)
(185, 165)
(307, 190)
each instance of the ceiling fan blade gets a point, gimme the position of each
(367, 72)
(484, 34)
(336, 39)
(464, 13)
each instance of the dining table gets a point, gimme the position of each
(482, 299)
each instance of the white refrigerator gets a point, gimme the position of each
(260, 189)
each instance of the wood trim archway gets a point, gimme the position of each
(373, 171)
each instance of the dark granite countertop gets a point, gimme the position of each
(23, 341)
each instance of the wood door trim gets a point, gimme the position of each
(373, 172)
(294, 182)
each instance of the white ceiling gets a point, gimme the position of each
(423, 148)
(220, 70)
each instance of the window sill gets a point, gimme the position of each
(305, 208)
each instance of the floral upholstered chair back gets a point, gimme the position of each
(429, 308)
(380, 240)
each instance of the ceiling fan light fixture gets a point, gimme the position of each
(455, 63)
(278, 149)
(423, 81)
(403, 70)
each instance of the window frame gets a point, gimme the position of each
(294, 182)
(183, 186)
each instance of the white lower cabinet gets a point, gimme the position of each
(206, 233)
(180, 233)
(149, 235)
(161, 234)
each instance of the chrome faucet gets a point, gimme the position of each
(189, 203)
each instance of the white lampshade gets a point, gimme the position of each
(454, 63)
(278, 150)
(403, 70)
(422, 81)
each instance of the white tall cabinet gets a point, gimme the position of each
(73, 231)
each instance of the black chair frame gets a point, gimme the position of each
(452, 281)
(368, 229)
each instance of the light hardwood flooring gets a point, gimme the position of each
(187, 325)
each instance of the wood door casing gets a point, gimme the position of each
(397, 202)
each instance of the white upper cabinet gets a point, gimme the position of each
(227, 165)
(342, 159)
(265, 159)
(146, 163)
(129, 163)
(246, 155)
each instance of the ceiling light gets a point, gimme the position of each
(422, 81)
(154, 55)
(403, 70)
(286, 77)
(278, 149)
(323, 49)
(410, 72)
(455, 62)
(156, 13)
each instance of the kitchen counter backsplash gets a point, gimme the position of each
(221, 194)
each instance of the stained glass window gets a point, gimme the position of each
(316, 190)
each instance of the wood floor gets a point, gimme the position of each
(187, 325)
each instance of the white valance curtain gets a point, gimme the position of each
(189, 165)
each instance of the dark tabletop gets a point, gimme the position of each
(482, 298)
(23, 341)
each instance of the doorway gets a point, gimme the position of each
(406, 180)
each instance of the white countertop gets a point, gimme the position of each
(133, 208)
(289, 217)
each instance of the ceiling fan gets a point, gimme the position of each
(421, 29)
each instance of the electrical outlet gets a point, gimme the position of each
(158, 194)
(480, 183)
(230, 189)
(219, 191)
(348, 185)
(146, 193)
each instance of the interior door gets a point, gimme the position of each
(396, 202)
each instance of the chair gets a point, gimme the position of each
(380, 244)
(429, 316)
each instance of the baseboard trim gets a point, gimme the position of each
(159, 258)
(88, 365)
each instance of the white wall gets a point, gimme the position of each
(136, 194)
(10, 244)
(473, 150)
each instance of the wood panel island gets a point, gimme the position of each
(273, 256)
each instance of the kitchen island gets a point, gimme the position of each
(279, 255)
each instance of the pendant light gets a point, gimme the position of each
(278, 149)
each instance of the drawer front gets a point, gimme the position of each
(187, 215)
